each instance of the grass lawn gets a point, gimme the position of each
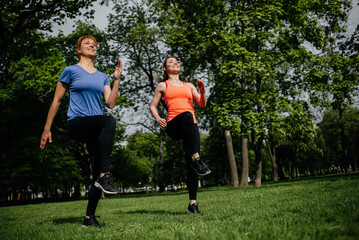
(317, 208)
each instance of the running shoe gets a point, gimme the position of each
(106, 184)
(193, 209)
(200, 167)
(91, 222)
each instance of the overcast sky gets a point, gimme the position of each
(100, 21)
(101, 13)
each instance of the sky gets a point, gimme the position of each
(100, 20)
(101, 13)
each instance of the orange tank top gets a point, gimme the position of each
(178, 100)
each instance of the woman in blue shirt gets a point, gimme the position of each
(86, 122)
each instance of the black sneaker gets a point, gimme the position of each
(200, 167)
(91, 222)
(193, 209)
(106, 184)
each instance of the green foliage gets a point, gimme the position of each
(319, 208)
(175, 164)
(18, 17)
(136, 36)
(333, 80)
(35, 77)
(330, 130)
(25, 100)
(134, 163)
(144, 148)
(256, 52)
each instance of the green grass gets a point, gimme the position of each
(319, 208)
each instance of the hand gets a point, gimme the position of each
(200, 85)
(118, 70)
(162, 122)
(46, 135)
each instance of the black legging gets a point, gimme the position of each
(98, 134)
(183, 128)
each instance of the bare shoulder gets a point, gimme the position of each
(191, 85)
(161, 86)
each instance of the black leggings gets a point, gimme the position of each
(183, 128)
(98, 134)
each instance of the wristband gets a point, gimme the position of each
(202, 92)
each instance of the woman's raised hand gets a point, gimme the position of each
(118, 70)
(200, 85)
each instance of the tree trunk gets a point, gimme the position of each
(273, 156)
(231, 159)
(298, 174)
(245, 168)
(258, 145)
(258, 156)
(258, 179)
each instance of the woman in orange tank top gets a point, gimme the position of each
(181, 123)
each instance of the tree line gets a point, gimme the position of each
(282, 80)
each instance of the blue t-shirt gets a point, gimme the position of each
(86, 91)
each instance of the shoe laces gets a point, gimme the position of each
(195, 207)
(111, 180)
(200, 163)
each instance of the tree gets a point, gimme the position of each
(19, 18)
(333, 82)
(330, 130)
(24, 107)
(136, 34)
(249, 45)
(144, 148)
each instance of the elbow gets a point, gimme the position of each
(111, 105)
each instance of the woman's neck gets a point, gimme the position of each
(173, 78)
(87, 64)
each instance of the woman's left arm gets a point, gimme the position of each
(109, 94)
(200, 97)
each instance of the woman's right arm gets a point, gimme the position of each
(59, 94)
(159, 91)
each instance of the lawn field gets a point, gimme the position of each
(315, 208)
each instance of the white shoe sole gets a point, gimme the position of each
(202, 174)
(189, 212)
(104, 190)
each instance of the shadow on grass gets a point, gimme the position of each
(154, 212)
(142, 195)
(66, 220)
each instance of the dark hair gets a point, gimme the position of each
(165, 75)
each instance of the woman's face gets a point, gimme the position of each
(172, 66)
(88, 48)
